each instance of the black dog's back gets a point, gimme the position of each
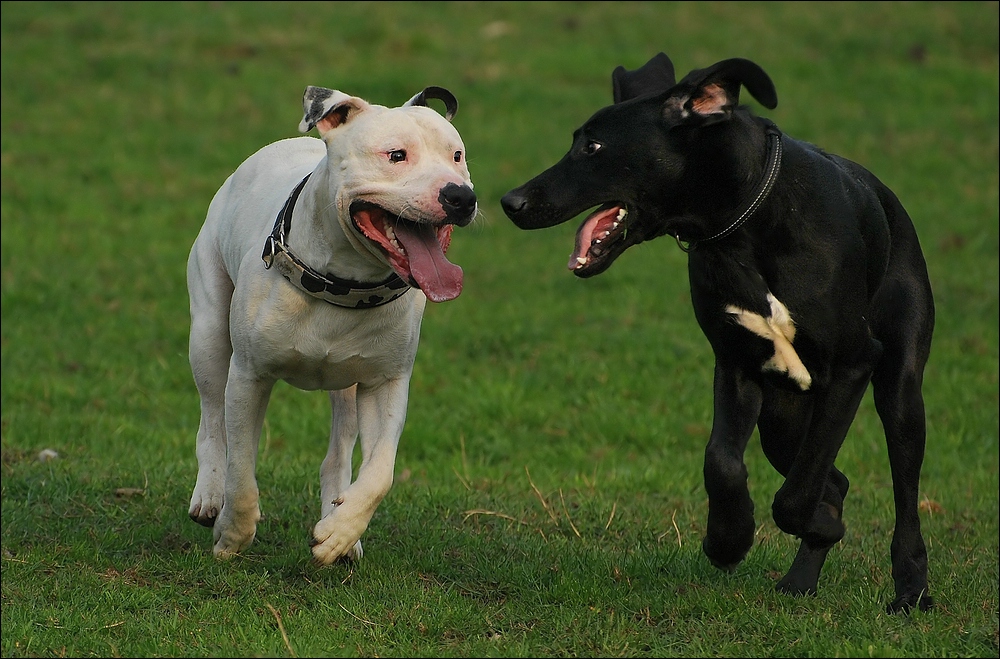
(897, 283)
(806, 277)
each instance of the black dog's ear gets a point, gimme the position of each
(713, 93)
(653, 77)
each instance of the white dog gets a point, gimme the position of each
(353, 229)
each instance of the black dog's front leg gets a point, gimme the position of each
(803, 576)
(730, 509)
(784, 423)
(802, 505)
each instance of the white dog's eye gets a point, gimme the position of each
(592, 148)
(458, 156)
(398, 155)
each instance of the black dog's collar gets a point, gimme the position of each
(340, 292)
(763, 189)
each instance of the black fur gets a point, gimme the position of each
(830, 242)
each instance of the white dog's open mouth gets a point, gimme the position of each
(415, 250)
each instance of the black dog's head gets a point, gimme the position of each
(666, 157)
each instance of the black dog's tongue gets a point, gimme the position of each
(438, 278)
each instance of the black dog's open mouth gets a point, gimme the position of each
(415, 250)
(600, 239)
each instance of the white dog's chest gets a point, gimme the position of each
(366, 354)
(332, 372)
(314, 345)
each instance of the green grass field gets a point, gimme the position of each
(548, 498)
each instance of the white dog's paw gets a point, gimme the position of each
(323, 555)
(234, 533)
(206, 503)
(338, 535)
(322, 558)
(205, 510)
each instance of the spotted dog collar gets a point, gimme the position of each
(335, 290)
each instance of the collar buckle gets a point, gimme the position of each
(270, 248)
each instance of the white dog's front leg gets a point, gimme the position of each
(335, 474)
(209, 490)
(246, 403)
(381, 414)
(209, 352)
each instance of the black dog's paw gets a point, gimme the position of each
(906, 603)
(794, 585)
(803, 576)
(729, 535)
(726, 557)
(727, 568)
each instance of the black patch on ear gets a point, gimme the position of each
(315, 96)
(653, 77)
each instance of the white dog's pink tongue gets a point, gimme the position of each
(438, 278)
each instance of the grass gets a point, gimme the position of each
(548, 497)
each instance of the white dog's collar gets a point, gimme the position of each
(340, 292)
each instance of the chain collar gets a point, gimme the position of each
(763, 189)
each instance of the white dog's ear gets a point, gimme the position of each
(440, 93)
(325, 109)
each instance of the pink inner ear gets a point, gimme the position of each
(712, 100)
(332, 119)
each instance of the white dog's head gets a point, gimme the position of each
(401, 179)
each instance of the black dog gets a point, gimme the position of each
(806, 277)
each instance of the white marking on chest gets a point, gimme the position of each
(780, 330)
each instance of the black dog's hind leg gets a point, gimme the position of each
(901, 407)
(896, 388)
(903, 320)
(784, 421)
(730, 509)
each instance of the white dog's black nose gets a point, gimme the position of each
(459, 203)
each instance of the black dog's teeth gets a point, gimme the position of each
(609, 237)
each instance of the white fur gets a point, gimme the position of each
(779, 329)
(250, 327)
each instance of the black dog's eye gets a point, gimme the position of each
(399, 155)
(592, 148)
(458, 156)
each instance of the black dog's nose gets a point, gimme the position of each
(513, 203)
(459, 203)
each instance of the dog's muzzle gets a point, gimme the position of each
(459, 203)
(526, 213)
